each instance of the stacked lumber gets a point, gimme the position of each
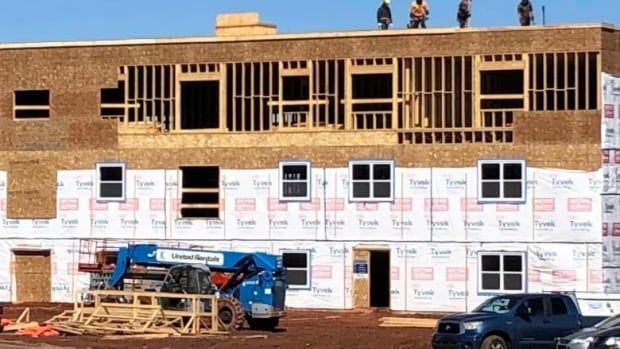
(407, 322)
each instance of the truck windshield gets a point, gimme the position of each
(498, 305)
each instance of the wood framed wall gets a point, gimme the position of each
(430, 99)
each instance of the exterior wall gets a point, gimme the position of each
(434, 230)
(611, 171)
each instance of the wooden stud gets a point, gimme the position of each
(395, 99)
(587, 89)
(311, 87)
(177, 97)
(280, 115)
(348, 89)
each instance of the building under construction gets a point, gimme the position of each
(415, 170)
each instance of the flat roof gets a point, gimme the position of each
(294, 36)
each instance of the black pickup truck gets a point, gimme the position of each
(519, 321)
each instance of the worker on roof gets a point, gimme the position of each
(384, 15)
(526, 13)
(463, 13)
(418, 14)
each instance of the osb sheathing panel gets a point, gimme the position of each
(241, 140)
(33, 276)
(361, 286)
(576, 156)
(75, 75)
(611, 52)
(570, 127)
(31, 189)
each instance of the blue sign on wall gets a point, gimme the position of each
(360, 267)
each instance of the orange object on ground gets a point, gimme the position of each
(39, 331)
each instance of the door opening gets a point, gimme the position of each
(380, 279)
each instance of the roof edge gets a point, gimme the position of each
(291, 36)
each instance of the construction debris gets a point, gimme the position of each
(407, 322)
(18, 327)
(140, 313)
(136, 336)
(38, 331)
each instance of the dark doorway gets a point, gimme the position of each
(380, 279)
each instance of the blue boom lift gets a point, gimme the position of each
(251, 286)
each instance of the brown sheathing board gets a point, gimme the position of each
(611, 51)
(31, 189)
(558, 127)
(33, 276)
(566, 156)
(75, 75)
(361, 286)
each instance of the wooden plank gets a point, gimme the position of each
(223, 91)
(372, 69)
(280, 115)
(311, 87)
(423, 114)
(395, 99)
(348, 96)
(135, 336)
(261, 91)
(207, 76)
(17, 327)
(177, 98)
(66, 329)
(587, 89)
(251, 97)
(234, 97)
(243, 95)
(501, 65)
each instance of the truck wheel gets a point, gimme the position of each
(264, 324)
(494, 342)
(230, 313)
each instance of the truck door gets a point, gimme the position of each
(562, 320)
(530, 322)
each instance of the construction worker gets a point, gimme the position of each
(418, 14)
(384, 15)
(526, 13)
(463, 14)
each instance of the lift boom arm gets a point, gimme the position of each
(220, 261)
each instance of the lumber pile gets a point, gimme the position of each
(407, 322)
(141, 315)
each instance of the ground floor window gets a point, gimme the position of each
(502, 272)
(297, 264)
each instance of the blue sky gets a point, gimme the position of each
(59, 20)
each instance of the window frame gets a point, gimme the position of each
(501, 272)
(501, 199)
(282, 181)
(98, 181)
(371, 180)
(47, 107)
(181, 190)
(308, 268)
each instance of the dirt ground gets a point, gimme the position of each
(300, 329)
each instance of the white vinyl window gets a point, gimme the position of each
(110, 182)
(295, 178)
(501, 181)
(501, 272)
(371, 180)
(297, 264)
